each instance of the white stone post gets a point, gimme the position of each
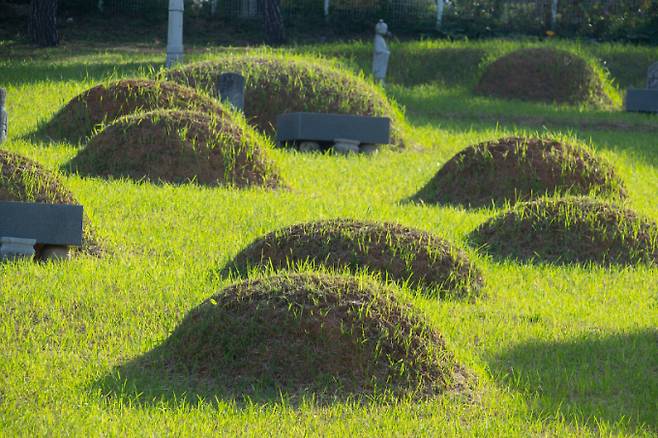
(175, 33)
(440, 7)
(554, 4)
(327, 3)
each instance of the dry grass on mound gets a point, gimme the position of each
(311, 335)
(546, 75)
(107, 102)
(570, 230)
(275, 85)
(396, 252)
(179, 147)
(24, 180)
(511, 169)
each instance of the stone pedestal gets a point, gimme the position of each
(12, 248)
(644, 100)
(346, 146)
(4, 118)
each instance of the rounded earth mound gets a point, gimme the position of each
(276, 85)
(24, 180)
(397, 252)
(511, 169)
(313, 334)
(570, 230)
(178, 147)
(546, 75)
(107, 102)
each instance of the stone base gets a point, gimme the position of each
(345, 146)
(54, 253)
(12, 248)
(642, 101)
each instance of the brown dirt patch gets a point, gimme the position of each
(105, 103)
(570, 230)
(544, 75)
(396, 252)
(179, 147)
(514, 168)
(311, 335)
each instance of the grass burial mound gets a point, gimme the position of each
(107, 102)
(547, 75)
(511, 169)
(178, 147)
(570, 230)
(312, 335)
(396, 252)
(24, 180)
(277, 84)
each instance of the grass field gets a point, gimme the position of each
(557, 350)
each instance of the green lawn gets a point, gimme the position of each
(557, 350)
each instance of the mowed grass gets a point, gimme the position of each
(557, 350)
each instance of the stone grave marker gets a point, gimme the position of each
(4, 118)
(52, 228)
(344, 132)
(230, 89)
(652, 77)
(644, 100)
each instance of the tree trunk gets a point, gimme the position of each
(274, 30)
(42, 25)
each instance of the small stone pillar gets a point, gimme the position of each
(4, 118)
(12, 248)
(230, 89)
(652, 77)
(381, 53)
(175, 33)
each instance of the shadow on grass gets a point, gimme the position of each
(152, 379)
(18, 73)
(588, 379)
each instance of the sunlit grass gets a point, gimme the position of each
(557, 350)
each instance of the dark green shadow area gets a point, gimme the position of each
(152, 379)
(19, 74)
(588, 379)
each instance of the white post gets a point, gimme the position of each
(440, 6)
(175, 33)
(326, 9)
(554, 4)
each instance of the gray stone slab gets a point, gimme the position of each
(48, 224)
(652, 77)
(230, 88)
(329, 127)
(642, 101)
(4, 118)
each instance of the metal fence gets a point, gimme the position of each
(470, 17)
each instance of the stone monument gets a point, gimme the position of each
(381, 53)
(230, 89)
(652, 77)
(4, 118)
(644, 100)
